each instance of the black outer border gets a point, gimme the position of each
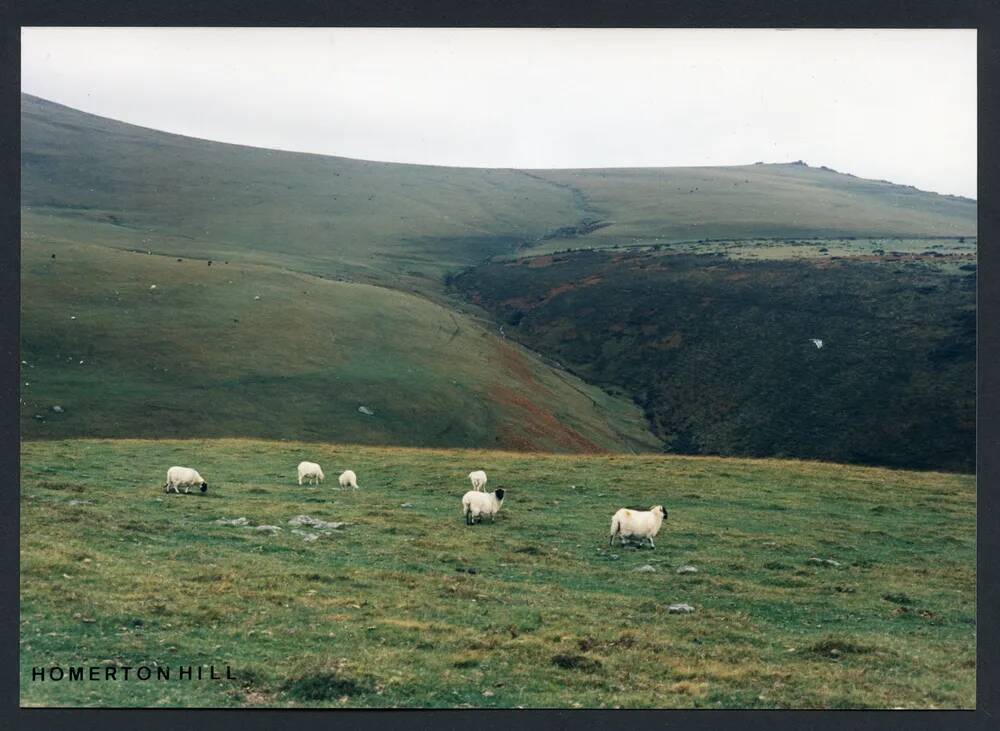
(981, 14)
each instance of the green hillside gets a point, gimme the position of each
(310, 234)
(405, 225)
(719, 351)
(631, 206)
(130, 344)
(818, 585)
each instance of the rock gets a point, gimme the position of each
(152, 286)
(680, 609)
(232, 521)
(256, 297)
(79, 502)
(307, 537)
(645, 569)
(488, 694)
(822, 561)
(686, 569)
(406, 505)
(315, 522)
(365, 410)
(272, 529)
(58, 409)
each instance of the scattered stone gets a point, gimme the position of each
(366, 411)
(680, 609)
(822, 561)
(232, 521)
(769, 543)
(152, 286)
(307, 537)
(256, 296)
(58, 409)
(79, 502)
(272, 529)
(315, 522)
(406, 505)
(488, 694)
(645, 569)
(686, 569)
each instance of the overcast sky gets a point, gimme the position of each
(897, 105)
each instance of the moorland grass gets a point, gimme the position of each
(386, 613)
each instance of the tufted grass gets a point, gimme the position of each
(384, 613)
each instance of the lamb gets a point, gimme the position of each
(310, 471)
(478, 480)
(184, 477)
(477, 504)
(637, 524)
(349, 479)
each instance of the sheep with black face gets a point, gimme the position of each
(184, 477)
(476, 505)
(638, 524)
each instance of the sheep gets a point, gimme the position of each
(184, 477)
(310, 471)
(478, 479)
(476, 504)
(637, 524)
(349, 479)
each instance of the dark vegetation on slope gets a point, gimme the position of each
(718, 352)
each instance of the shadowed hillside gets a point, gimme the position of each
(720, 352)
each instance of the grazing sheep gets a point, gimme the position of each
(478, 480)
(310, 471)
(477, 504)
(637, 524)
(184, 477)
(349, 479)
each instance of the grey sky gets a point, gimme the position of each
(898, 104)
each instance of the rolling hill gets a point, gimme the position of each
(351, 260)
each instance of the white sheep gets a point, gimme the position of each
(478, 480)
(184, 477)
(310, 471)
(637, 524)
(477, 504)
(349, 479)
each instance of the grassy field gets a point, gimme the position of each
(386, 612)
(252, 350)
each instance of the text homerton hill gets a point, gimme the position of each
(58, 673)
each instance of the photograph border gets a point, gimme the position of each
(495, 13)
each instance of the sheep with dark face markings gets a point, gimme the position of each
(184, 477)
(637, 524)
(477, 504)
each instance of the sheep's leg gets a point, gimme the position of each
(651, 544)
